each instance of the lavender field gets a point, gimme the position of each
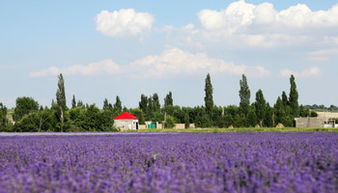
(229, 162)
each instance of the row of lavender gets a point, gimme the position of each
(231, 162)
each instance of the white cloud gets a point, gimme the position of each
(241, 14)
(236, 15)
(123, 22)
(101, 67)
(263, 26)
(309, 72)
(177, 61)
(172, 61)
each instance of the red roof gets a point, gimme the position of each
(126, 115)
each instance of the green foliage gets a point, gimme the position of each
(252, 118)
(208, 99)
(156, 103)
(42, 120)
(169, 122)
(82, 117)
(282, 114)
(118, 105)
(60, 93)
(268, 119)
(186, 120)
(285, 99)
(24, 106)
(143, 104)
(80, 104)
(91, 119)
(279, 112)
(138, 113)
(244, 95)
(73, 102)
(293, 98)
(260, 107)
(313, 114)
(3, 117)
(203, 120)
(61, 101)
(157, 117)
(168, 100)
(107, 105)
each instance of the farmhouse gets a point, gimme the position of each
(324, 120)
(126, 121)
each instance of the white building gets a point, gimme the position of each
(126, 121)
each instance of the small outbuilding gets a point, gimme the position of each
(126, 121)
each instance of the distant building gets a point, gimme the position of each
(126, 121)
(324, 120)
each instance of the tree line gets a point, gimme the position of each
(29, 116)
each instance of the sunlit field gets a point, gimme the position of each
(171, 162)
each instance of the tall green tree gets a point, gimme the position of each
(244, 95)
(61, 101)
(208, 99)
(293, 98)
(150, 109)
(24, 106)
(168, 100)
(118, 105)
(3, 117)
(269, 113)
(105, 104)
(143, 104)
(156, 103)
(285, 99)
(73, 102)
(260, 106)
(251, 117)
(279, 112)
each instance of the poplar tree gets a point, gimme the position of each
(293, 98)
(143, 104)
(268, 120)
(285, 99)
(279, 116)
(208, 99)
(105, 104)
(260, 106)
(244, 95)
(118, 105)
(61, 101)
(73, 102)
(168, 100)
(156, 103)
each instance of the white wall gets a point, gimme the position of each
(126, 124)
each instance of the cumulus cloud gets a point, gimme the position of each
(172, 61)
(241, 14)
(309, 72)
(177, 61)
(264, 26)
(123, 22)
(96, 68)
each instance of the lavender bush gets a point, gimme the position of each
(229, 162)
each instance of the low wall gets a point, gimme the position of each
(177, 126)
(310, 122)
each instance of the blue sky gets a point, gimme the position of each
(126, 48)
